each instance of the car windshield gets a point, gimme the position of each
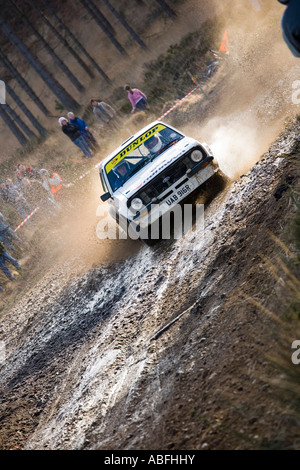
(138, 153)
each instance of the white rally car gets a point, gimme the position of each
(151, 172)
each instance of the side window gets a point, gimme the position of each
(105, 189)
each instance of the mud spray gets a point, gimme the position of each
(236, 147)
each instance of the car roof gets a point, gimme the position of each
(130, 139)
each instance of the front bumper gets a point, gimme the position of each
(174, 195)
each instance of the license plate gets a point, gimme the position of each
(182, 192)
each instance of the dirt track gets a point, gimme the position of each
(84, 368)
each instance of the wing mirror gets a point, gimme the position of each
(105, 196)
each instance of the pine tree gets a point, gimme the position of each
(75, 40)
(25, 110)
(22, 82)
(19, 121)
(171, 13)
(12, 126)
(49, 49)
(91, 8)
(48, 78)
(57, 34)
(125, 24)
(101, 18)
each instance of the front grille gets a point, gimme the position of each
(166, 178)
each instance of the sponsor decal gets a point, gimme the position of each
(132, 146)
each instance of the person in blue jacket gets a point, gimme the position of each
(7, 235)
(84, 130)
(290, 25)
(72, 131)
(4, 256)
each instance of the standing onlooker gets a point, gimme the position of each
(4, 256)
(104, 112)
(73, 132)
(3, 191)
(24, 178)
(7, 235)
(52, 185)
(13, 196)
(84, 130)
(23, 172)
(137, 98)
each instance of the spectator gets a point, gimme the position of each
(11, 195)
(72, 131)
(3, 191)
(24, 178)
(290, 25)
(137, 98)
(84, 130)
(29, 173)
(52, 185)
(104, 113)
(7, 235)
(4, 256)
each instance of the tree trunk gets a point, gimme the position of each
(88, 6)
(12, 126)
(26, 111)
(62, 40)
(75, 40)
(48, 78)
(171, 13)
(125, 24)
(22, 82)
(20, 122)
(50, 51)
(106, 24)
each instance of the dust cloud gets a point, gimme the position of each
(238, 144)
(252, 99)
(235, 147)
(76, 230)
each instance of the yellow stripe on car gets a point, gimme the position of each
(132, 146)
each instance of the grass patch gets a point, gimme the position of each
(286, 385)
(169, 75)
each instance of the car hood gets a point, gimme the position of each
(148, 172)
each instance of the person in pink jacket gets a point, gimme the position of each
(137, 98)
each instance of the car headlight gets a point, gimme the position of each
(137, 204)
(196, 156)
